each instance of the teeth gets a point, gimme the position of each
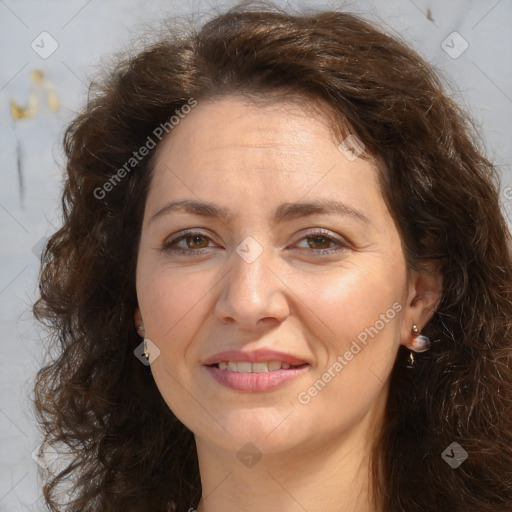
(248, 367)
(259, 367)
(274, 365)
(244, 367)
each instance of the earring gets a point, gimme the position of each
(146, 350)
(420, 342)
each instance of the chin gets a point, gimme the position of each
(270, 431)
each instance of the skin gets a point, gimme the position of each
(250, 159)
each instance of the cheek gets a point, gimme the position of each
(360, 349)
(172, 302)
(347, 300)
(359, 318)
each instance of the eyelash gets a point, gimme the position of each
(169, 246)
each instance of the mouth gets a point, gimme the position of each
(257, 367)
(257, 371)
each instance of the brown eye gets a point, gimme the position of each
(196, 241)
(322, 243)
(319, 242)
(188, 243)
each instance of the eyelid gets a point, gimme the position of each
(321, 231)
(342, 243)
(167, 245)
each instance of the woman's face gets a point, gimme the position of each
(282, 253)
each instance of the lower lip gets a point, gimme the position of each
(254, 382)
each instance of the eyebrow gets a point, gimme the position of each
(285, 211)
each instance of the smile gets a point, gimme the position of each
(248, 367)
(254, 377)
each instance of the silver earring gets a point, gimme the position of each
(146, 350)
(420, 342)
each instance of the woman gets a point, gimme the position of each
(283, 282)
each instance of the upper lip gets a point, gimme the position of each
(254, 356)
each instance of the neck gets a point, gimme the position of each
(323, 476)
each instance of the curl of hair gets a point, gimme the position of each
(127, 450)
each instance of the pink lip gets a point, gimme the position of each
(254, 382)
(255, 356)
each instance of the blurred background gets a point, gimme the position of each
(50, 52)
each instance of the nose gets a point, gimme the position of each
(253, 294)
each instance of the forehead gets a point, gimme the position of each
(233, 128)
(230, 147)
(234, 122)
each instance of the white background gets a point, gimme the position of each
(86, 32)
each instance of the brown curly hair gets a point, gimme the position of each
(126, 449)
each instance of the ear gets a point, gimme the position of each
(137, 318)
(425, 290)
